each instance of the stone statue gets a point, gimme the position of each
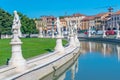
(58, 26)
(16, 24)
(75, 29)
(71, 28)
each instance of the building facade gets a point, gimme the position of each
(75, 19)
(114, 20)
(87, 22)
(50, 21)
(100, 20)
(63, 24)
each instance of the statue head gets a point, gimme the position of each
(58, 19)
(15, 12)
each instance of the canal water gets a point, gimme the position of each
(97, 61)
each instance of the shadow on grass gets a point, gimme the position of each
(49, 50)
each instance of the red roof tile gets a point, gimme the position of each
(118, 12)
(77, 15)
(62, 20)
(88, 18)
(100, 14)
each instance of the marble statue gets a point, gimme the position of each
(16, 24)
(75, 29)
(71, 28)
(58, 26)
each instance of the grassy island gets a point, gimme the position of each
(31, 47)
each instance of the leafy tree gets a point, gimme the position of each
(28, 25)
(5, 22)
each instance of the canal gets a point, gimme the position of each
(97, 61)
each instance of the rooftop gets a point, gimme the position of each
(118, 12)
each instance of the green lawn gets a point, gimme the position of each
(31, 47)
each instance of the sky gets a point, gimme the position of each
(37, 8)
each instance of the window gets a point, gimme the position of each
(117, 18)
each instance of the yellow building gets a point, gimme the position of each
(63, 22)
(75, 19)
(96, 21)
(100, 20)
(87, 22)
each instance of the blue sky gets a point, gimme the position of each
(36, 8)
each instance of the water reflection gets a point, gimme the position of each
(60, 74)
(118, 51)
(73, 70)
(103, 48)
(98, 61)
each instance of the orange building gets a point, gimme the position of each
(63, 23)
(87, 22)
(49, 20)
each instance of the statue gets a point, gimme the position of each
(58, 26)
(16, 24)
(75, 29)
(71, 28)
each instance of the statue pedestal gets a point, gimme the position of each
(72, 41)
(40, 35)
(89, 34)
(17, 59)
(59, 47)
(104, 35)
(118, 35)
(53, 35)
(77, 41)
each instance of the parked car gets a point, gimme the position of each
(93, 32)
(86, 32)
(115, 30)
(110, 32)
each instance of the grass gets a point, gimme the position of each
(31, 47)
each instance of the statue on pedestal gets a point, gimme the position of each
(17, 60)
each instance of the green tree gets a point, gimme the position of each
(5, 22)
(6, 19)
(28, 25)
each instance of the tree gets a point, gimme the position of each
(28, 25)
(6, 19)
(5, 22)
